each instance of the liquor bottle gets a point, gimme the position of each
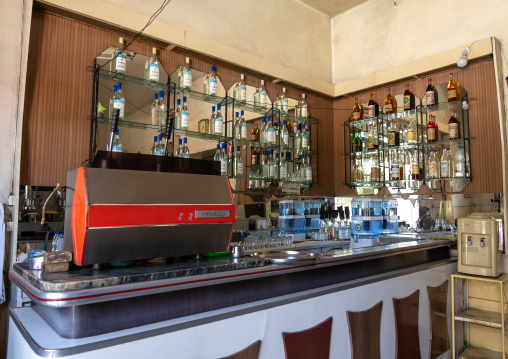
(303, 107)
(211, 122)
(185, 149)
(357, 170)
(254, 156)
(373, 107)
(284, 101)
(238, 162)
(253, 133)
(118, 63)
(161, 114)
(236, 126)
(445, 164)
(305, 139)
(356, 143)
(460, 162)
(308, 170)
(395, 167)
(390, 103)
(415, 166)
(412, 131)
(263, 97)
(210, 83)
(153, 72)
(218, 122)
(431, 94)
(372, 137)
(178, 115)
(112, 101)
(270, 132)
(257, 97)
(117, 145)
(179, 77)
(284, 134)
(243, 126)
(374, 169)
(298, 141)
(276, 164)
(409, 99)
(453, 90)
(217, 154)
(433, 164)
(187, 75)
(277, 133)
(119, 101)
(432, 130)
(277, 104)
(223, 160)
(252, 181)
(393, 134)
(152, 151)
(155, 109)
(265, 165)
(403, 140)
(453, 127)
(262, 131)
(357, 111)
(185, 115)
(271, 165)
(159, 149)
(179, 150)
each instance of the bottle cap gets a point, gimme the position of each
(119, 85)
(303, 95)
(116, 133)
(284, 122)
(115, 88)
(223, 145)
(276, 155)
(236, 114)
(303, 126)
(161, 94)
(155, 96)
(263, 119)
(185, 140)
(160, 137)
(282, 154)
(271, 152)
(241, 112)
(179, 141)
(269, 118)
(371, 94)
(407, 84)
(154, 138)
(218, 146)
(218, 106)
(213, 108)
(213, 68)
(184, 99)
(178, 102)
(430, 79)
(237, 148)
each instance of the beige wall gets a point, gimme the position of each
(376, 35)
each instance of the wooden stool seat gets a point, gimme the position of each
(365, 332)
(313, 343)
(406, 326)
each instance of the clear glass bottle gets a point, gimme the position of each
(153, 71)
(265, 165)
(217, 155)
(117, 144)
(111, 101)
(357, 170)
(394, 167)
(119, 101)
(303, 107)
(277, 165)
(412, 131)
(210, 83)
(271, 165)
(238, 162)
(263, 96)
(118, 63)
(236, 126)
(223, 161)
(262, 130)
(308, 170)
(298, 109)
(159, 150)
(375, 173)
(185, 115)
(371, 139)
(433, 164)
(284, 101)
(277, 104)
(277, 134)
(243, 126)
(185, 149)
(460, 162)
(257, 98)
(218, 122)
(152, 151)
(304, 139)
(161, 119)
(178, 115)
(179, 150)
(187, 75)
(240, 90)
(283, 173)
(284, 134)
(444, 164)
(252, 180)
(298, 142)
(270, 132)
(211, 122)
(155, 110)
(179, 77)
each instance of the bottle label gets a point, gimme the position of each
(431, 134)
(186, 155)
(308, 174)
(395, 172)
(304, 111)
(445, 169)
(213, 86)
(430, 98)
(459, 169)
(388, 108)
(285, 138)
(185, 119)
(285, 104)
(223, 164)
(283, 171)
(372, 111)
(374, 173)
(117, 148)
(262, 98)
(239, 168)
(218, 125)
(432, 169)
(254, 159)
(270, 135)
(244, 131)
(159, 152)
(357, 176)
(356, 116)
(391, 138)
(411, 135)
(187, 78)
(453, 130)
(370, 142)
(272, 170)
(120, 104)
(121, 62)
(415, 169)
(243, 93)
(452, 94)
(154, 72)
(251, 184)
(305, 142)
(253, 137)
(407, 102)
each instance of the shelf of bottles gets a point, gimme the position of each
(402, 150)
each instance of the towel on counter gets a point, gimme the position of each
(2, 253)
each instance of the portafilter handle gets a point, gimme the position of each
(114, 127)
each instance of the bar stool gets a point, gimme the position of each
(406, 326)
(251, 352)
(438, 303)
(313, 343)
(365, 332)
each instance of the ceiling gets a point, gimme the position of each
(332, 7)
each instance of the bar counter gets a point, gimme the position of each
(86, 303)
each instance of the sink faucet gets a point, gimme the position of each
(56, 189)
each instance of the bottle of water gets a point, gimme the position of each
(277, 134)
(217, 154)
(304, 139)
(111, 101)
(178, 115)
(284, 134)
(236, 127)
(187, 75)
(211, 122)
(445, 164)
(263, 96)
(117, 145)
(270, 131)
(152, 151)
(238, 162)
(153, 72)
(185, 149)
(218, 122)
(210, 83)
(277, 166)
(162, 110)
(159, 150)
(308, 170)
(460, 163)
(262, 130)
(179, 150)
(155, 109)
(185, 115)
(243, 126)
(265, 165)
(119, 101)
(223, 161)
(283, 173)
(271, 165)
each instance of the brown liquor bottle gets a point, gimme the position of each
(357, 111)
(453, 90)
(409, 99)
(390, 103)
(432, 130)
(453, 126)
(431, 94)
(373, 107)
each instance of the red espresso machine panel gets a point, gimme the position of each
(121, 215)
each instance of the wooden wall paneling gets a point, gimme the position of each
(478, 78)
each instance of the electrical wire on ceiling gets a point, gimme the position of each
(150, 21)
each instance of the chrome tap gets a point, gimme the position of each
(56, 189)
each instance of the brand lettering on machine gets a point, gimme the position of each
(213, 214)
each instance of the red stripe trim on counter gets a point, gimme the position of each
(110, 215)
(217, 278)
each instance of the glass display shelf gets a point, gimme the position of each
(383, 117)
(140, 82)
(269, 179)
(395, 184)
(203, 136)
(196, 95)
(130, 124)
(447, 178)
(249, 106)
(442, 106)
(255, 143)
(445, 142)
